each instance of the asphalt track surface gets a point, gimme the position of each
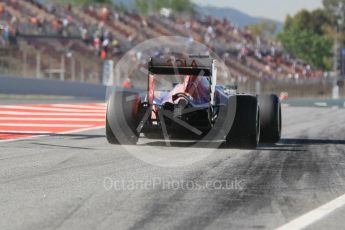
(59, 181)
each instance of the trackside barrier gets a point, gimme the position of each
(316, 89)
(31, 86)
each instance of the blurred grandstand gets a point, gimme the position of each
(69, 43)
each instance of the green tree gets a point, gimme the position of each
(336, 10)
(308, 46)
(321, 22)
(182, 6)
(332, 5)
(308, 36)
(317, 21)
(143, 6)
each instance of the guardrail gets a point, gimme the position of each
(340, 103)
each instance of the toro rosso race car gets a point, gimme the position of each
(193, 108)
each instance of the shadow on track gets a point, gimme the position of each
(305, 141)
(283, 145)
(217, 145)
(287, 144)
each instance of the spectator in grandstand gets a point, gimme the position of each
(115, 49)
(104, 13)
(105, 47)
(83, 32)
(258, 54)
(97, 43)
(127, 84)
(2, 10)
(5, 34)
(2, 41)
(69, 8)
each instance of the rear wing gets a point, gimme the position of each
(193, 65)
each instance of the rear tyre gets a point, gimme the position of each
(122, 118)
(270, 118)
(109, 134)
(245, 130)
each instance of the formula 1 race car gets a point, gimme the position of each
(193, 108)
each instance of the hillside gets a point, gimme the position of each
(235, 16)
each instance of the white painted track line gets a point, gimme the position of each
(315, 215)
(320, 104)
(52, 114)
(24, 132)
(45, 125)
(47, 119)
(44, 134)
(78, 106)
(38, 108)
